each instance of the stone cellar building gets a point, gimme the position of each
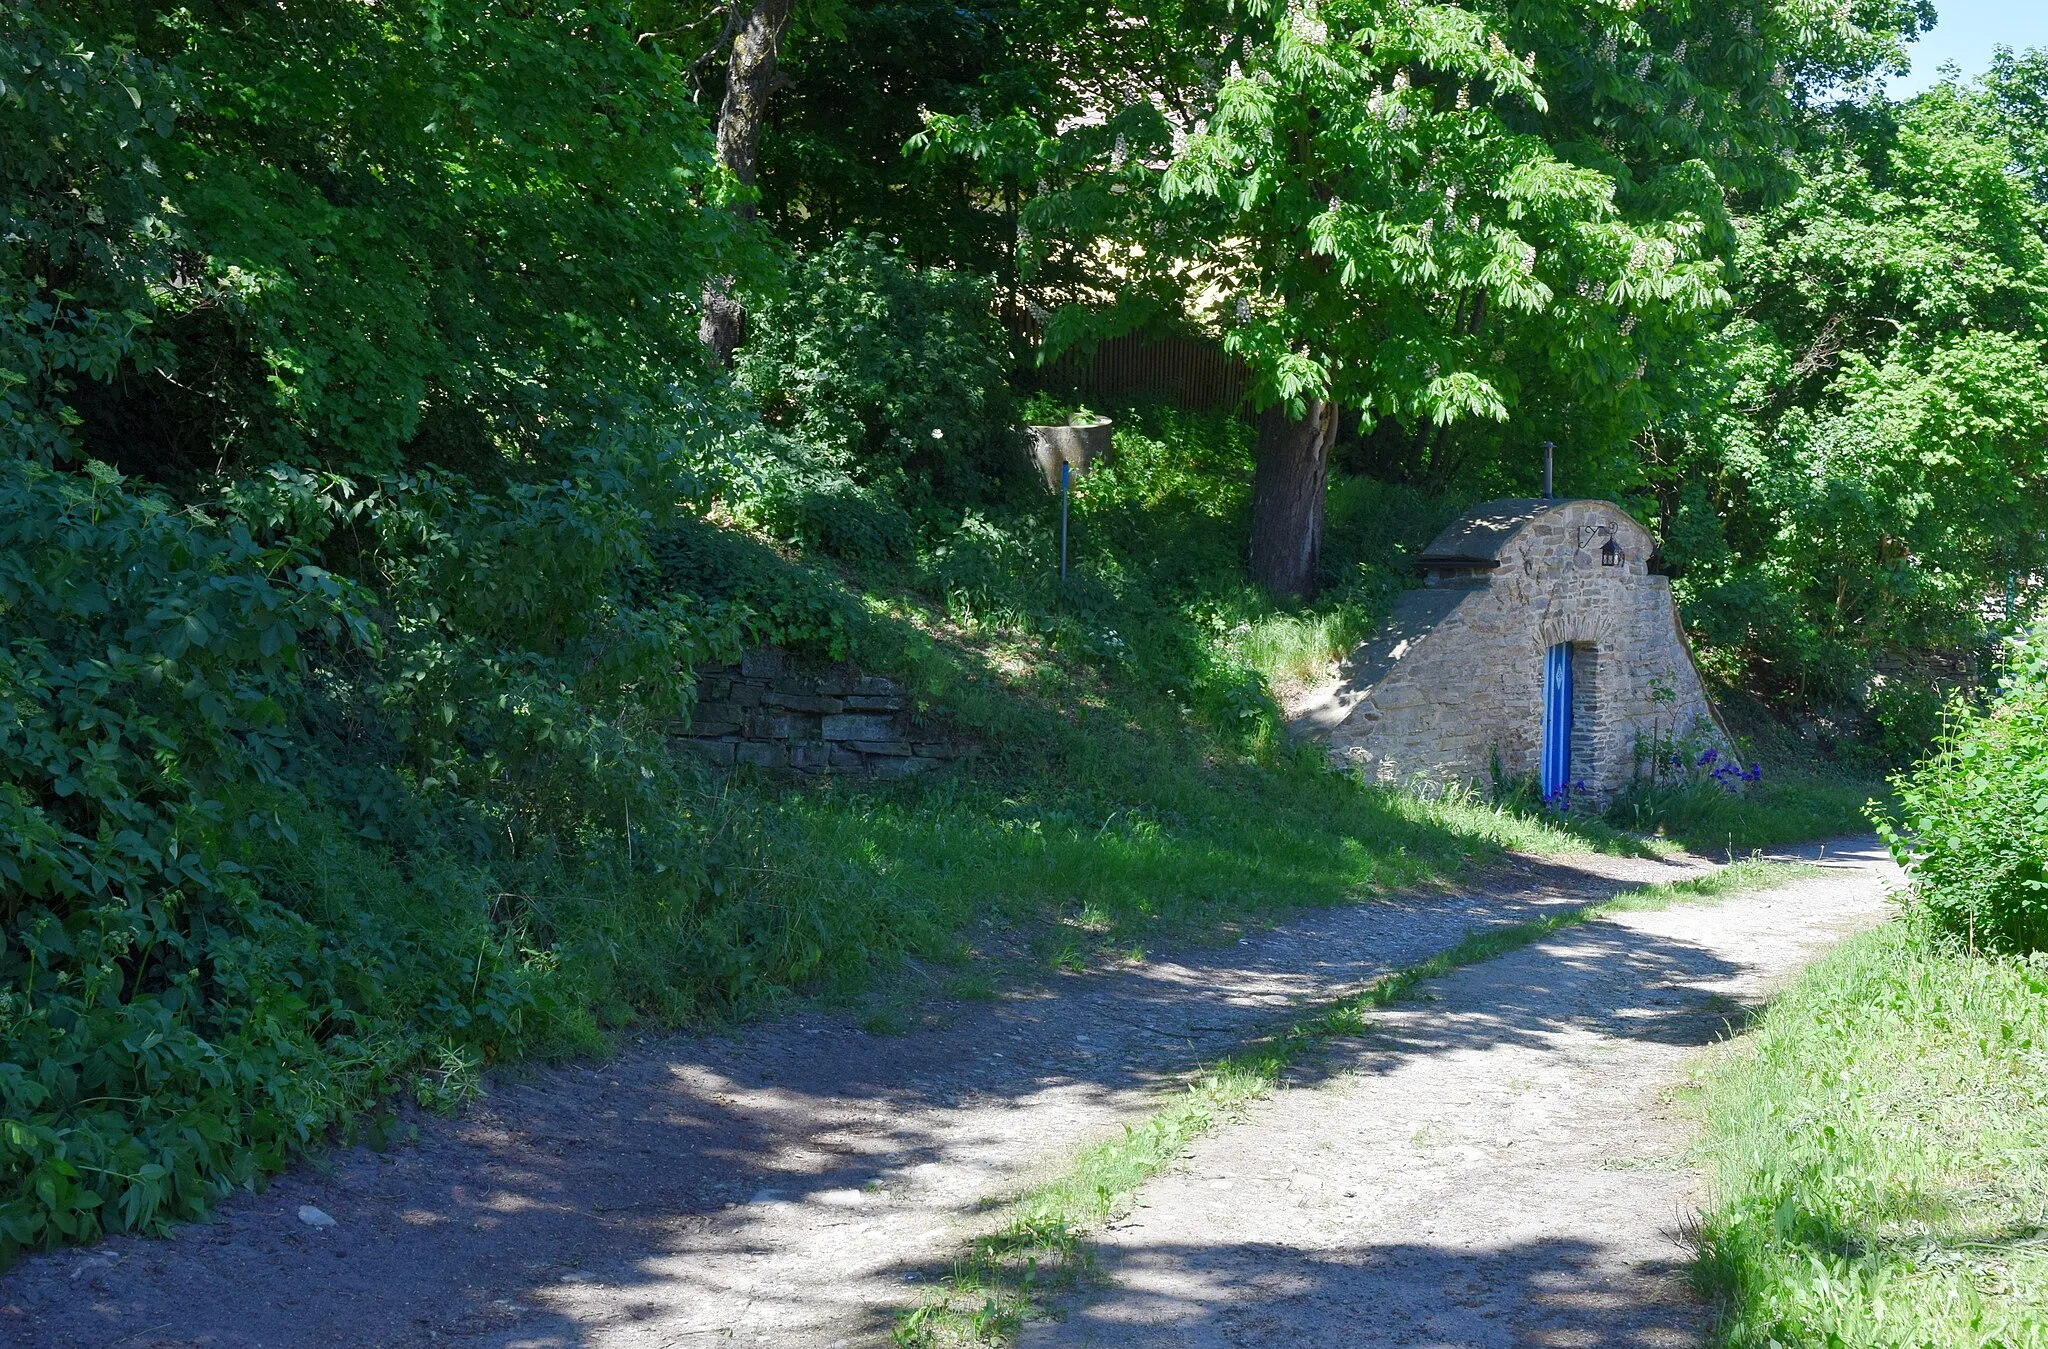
(1540, 643)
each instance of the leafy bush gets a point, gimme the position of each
(770, 598)
(1906, 712)
(809, 497)
(900, 369)
(1972, 823)
(263, 862)
(79, 201)
(164, 1029)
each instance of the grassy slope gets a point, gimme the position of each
(1880, 1155)
(1103, 819)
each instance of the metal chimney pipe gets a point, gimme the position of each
(1548, 448)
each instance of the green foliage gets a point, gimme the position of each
(1493, 218)
(862, 76)
(1879, 1148)
(165, 1029)
(353, 236)
(1047, 409)
(79, 214)
(1972, 823)
(1874, 476)
(892, 374)
(1157, 596)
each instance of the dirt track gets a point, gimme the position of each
(1497, 1166)
(789, 1186)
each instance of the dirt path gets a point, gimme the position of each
(787, 1187)
(1498, 1166)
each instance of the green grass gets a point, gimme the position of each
(1040, 1247)
(1879, 1151)
(1082, 870)
(1788, 806)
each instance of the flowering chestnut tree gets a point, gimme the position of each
(1422, 214)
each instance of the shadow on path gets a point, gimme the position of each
(787, 1185)
(1492, 1164)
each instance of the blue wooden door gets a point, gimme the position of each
(1557, 718)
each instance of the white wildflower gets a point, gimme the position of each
(1678, 52)
(1643, 69)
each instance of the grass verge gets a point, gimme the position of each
(1879, 1150)
(1040, 1249)
(1789, 806)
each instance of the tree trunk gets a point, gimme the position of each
(752, 73)
(1287, 497)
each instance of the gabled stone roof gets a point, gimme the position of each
(1475, 539)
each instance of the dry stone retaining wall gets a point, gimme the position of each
(770, 712)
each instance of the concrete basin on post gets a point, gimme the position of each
(1076, 444)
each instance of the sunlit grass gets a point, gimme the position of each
(1786, 807)
(1879, 1147)
(1299, 649)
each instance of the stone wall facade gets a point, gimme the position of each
(1452, 685)
(770, 712)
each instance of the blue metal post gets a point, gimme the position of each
(1065, 468)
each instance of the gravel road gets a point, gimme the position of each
(1497, 1164)
(790, 1185)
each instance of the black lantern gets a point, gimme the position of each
(1610, 554)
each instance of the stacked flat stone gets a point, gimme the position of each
(770, 712)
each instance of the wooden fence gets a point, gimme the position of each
(1191, 374)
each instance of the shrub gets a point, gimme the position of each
(901, 369)
(808, 496)
(1905, 713)
(1972, 823)
(164, 1030)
